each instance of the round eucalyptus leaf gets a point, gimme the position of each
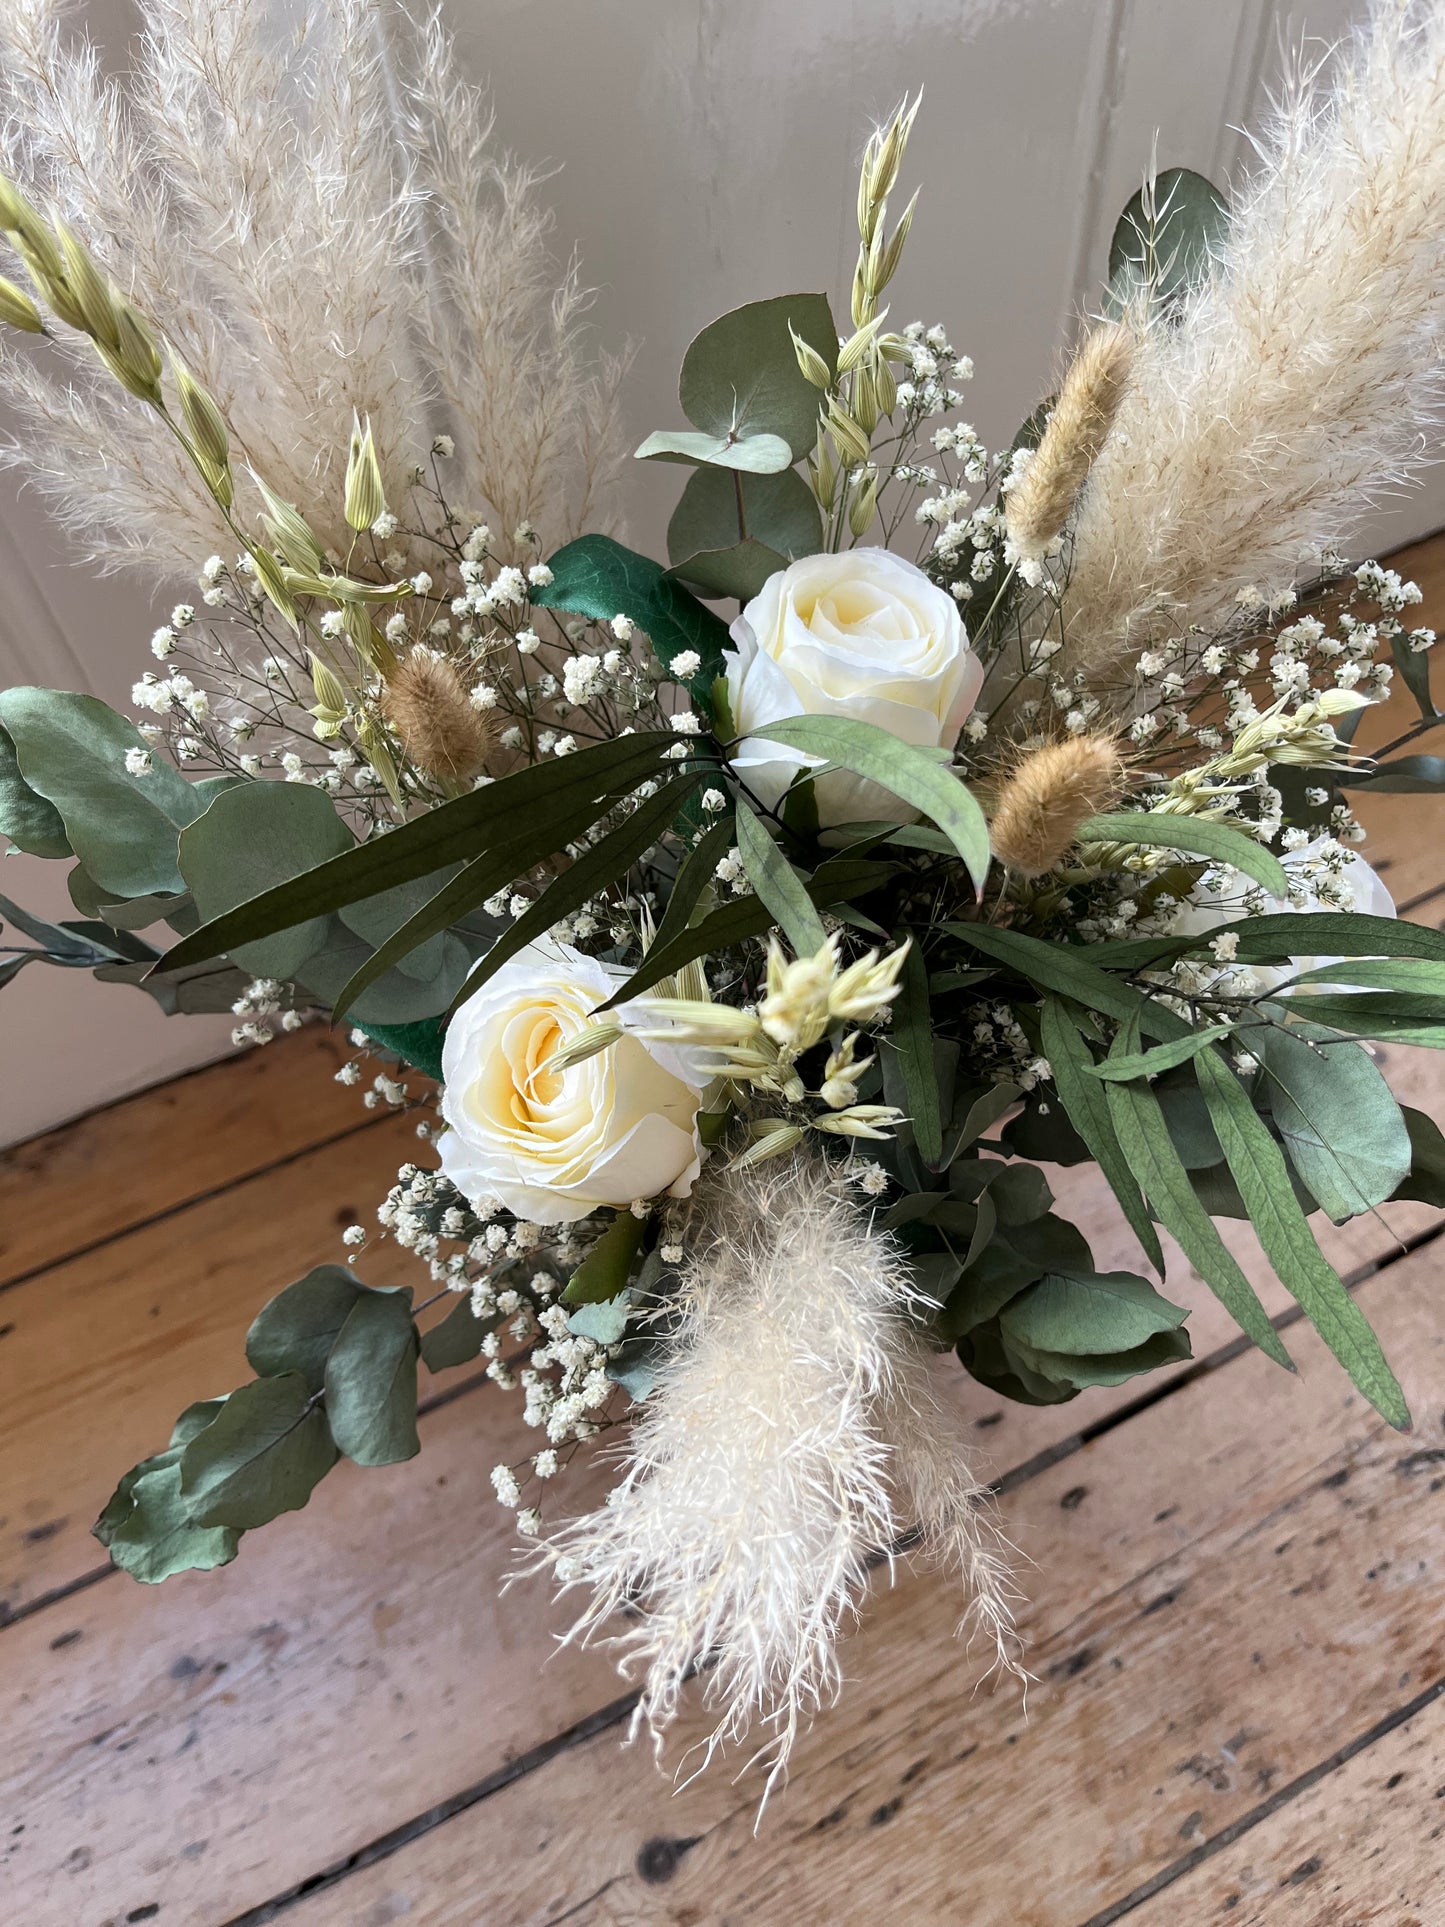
(739, 571)
(1166, 255)
(71, 750)
(394, 998)
(252, 838)
(758, 454)
(741, 377)
(31, 823)
(779, 513)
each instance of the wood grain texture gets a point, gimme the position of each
(1228, 1587)
(99, 1356)
(1364, 1843)
(138, 1159)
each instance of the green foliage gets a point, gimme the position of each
(263, 1454)
(336, 1366)
(912, 1037)
(1159, 1057)
(1340, 1123)
(599, 578)
(457, 1340)
(543, 796)
(1197, 836)
(1258, 1168)
(1071, 1060)
(297, 1329)
(913, 775)
(1144, 1139)
(71, 750)
(1426, 1181)
(419, 1044)
(742, 389)
(31, 823)
(603, 1273)
(722, 550)
(1403, 775)
(371, 1380)
(604, 863)
(250, 839)
(779, 887)
(1165, 239)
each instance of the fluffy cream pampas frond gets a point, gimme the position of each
(795, 1436)
(1302, 379)
(323, 226)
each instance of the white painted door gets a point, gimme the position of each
(707, 151)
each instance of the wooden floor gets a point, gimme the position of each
(1236, 1613)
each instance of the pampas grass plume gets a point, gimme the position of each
(792, 1438)
(1047, 795)
(1040, 502)
(439, 727)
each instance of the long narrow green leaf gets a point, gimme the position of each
(1144, 1139)
(911, 774)
(912, 1033)
(479, 880)
(695, 873)
(1162, 1057)
(1070, 1059)
(600, 867)
(1258, 1168)
(1329, 933)
(1418, 975)
(1066, 969)
(1399, 1017)
(778, 885)
(456, 832)
(1196, 836)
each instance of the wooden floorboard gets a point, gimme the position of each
(1235, 1613)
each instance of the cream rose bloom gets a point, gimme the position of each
(553, 1145)
(1219, 898)
(864, 635)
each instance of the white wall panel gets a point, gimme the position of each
(707, 153)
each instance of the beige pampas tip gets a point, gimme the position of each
(1046, 797)
(1041, 501)
(439, 727)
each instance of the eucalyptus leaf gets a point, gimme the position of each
(777, 884)
(1098, 1312)
(1071, 1059)
(297, 1329)
(1144, 1139)
(371, 1380)
(71, 750)
(1080, 1371)
(740, 376)
(152, 1534)
(1163, 257)
(779, 513)
(32, 824)
(740, 570)
(1339, 1120)
(603, 1273)
(250, 839)
(457, 1340)
(912, 1037)
(603, 1321)
(1426, 1181)
(262, 1455)
(753, 454)
(603, 865)
(461, 829)
(390, 997)
(1403, 775)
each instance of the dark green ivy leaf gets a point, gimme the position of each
(603, 1273)
(599, 578)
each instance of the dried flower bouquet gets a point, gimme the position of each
(762, 963)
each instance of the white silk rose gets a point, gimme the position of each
(1220, 897)
(553, 1145)
(864, 635)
